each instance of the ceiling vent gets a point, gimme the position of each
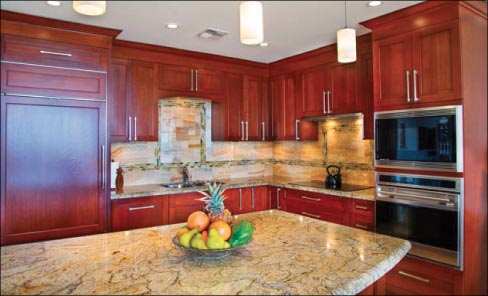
(212, 34)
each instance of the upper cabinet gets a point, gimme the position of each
(133, 108)
(316, 91)
(419, 68)
(188, 81)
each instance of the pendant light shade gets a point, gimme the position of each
(92, 8)
(346, 42)
(346, 45)
(251, 22)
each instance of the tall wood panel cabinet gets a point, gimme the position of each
(53, 122)
(434, 54)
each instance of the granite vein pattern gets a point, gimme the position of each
(289, 254)
(283, 182)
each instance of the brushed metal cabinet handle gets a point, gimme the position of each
(252, 198)
(310, 198)
(414, 277)
(361, 207)
(135, 128)
(328, 101)
(240, 199)
(311, 215)
(247, 130)
(263, 129)
(56, 53)
(278, 198)
(242, 131)
(104, 173)
(130, 128)
(415, 98)
(196, 80)
(323, 102)
(407, 74)
(191, 80)
(361, 226)
(297, 135)
(141, 208)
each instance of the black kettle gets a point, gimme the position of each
(333, 180)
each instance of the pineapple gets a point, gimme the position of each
(214, 204)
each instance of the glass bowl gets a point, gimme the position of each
(209, 254)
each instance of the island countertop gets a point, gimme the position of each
(289, 254)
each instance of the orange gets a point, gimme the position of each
(198, 220)
(222, 228)
(181, 231)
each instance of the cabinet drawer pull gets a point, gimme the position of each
(323, 102)
(414, 277)
(196, 80)
(252, 198)
(130, 128)
(141, 208)
(191, 80)
(328, 101)
(135, 128)
(247, 130)
(278, 198)
(240, 199)
(310, 198)
(243, 137)
(55, 53)
(361, 226)
(263, 130)
(361, 207)
(407, 74)
(311, 215)
(297, 135)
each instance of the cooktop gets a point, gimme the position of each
(321, 184)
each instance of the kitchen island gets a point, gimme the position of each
(289, 254)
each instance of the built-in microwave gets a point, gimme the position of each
(423, 138)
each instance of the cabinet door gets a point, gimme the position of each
(315, 87)
(234, 108)
(291, 125)
(182, 205)
(437, 58)
(252, 108)
(209, 82)
(176, 78)
(276, 197)
(254, 199)
(119, 102)
(144, 101)
(139, 212)
(52, 167)
(392, 59)
(277, 108)
(232, 202)
(265, 111)
(343, 96)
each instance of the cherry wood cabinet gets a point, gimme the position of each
(247, 199)
(182, 205)
(134, 103)
(119, 104)
(234, 113)
(139, 212)
(361, 214)
(316, 91)
(191, 81)
(417, 277)
(285, 124)
(52, 167)
(276, 198)
(343, 94)
(422, 66)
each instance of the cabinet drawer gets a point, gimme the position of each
(316, 199)
(182, 205)
(317, 212)
(361, 207)
(49, 53)
(53, 82)
(412, 276)
(138, 213)
(362, 222)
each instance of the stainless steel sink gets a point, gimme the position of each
(186, 185)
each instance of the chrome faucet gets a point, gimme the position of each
(186, 179)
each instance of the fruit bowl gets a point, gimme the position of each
(208, 253)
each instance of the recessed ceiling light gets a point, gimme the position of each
(54, 3)
(172, 26)
(375, 3)
(264, 44)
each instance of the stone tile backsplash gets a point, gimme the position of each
(184, 140)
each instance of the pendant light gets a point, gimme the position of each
(92, 8)
(251, 22)
(346, 42)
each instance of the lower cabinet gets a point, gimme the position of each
(139, 212)
(276, 198)
(182, 205)
(247, 199)
(361, 214)
(417, 277)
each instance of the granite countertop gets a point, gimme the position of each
(289, 254)
(157, 189)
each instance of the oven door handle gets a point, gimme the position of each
(420, 200)
(437, 199)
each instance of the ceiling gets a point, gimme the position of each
(290, 27)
